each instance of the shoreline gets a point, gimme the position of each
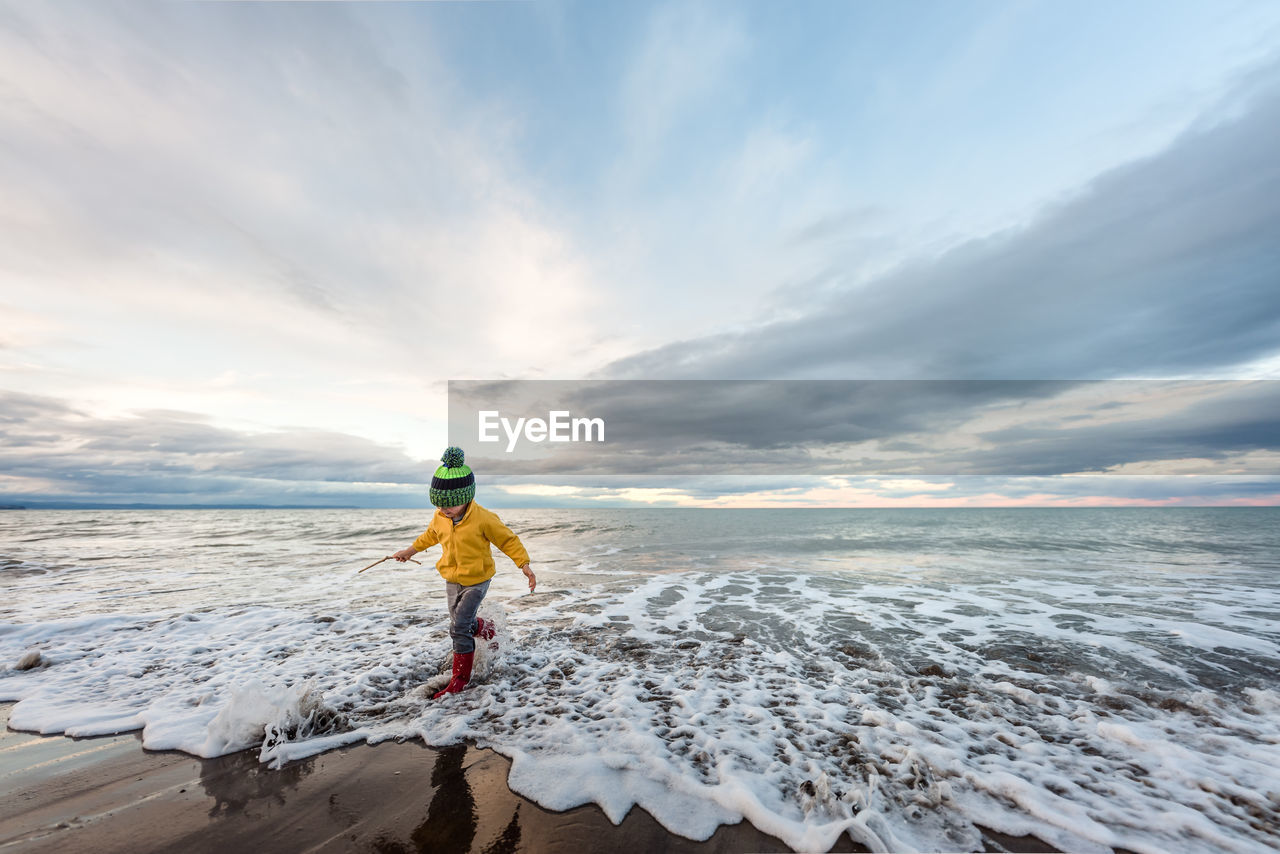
(108, 794)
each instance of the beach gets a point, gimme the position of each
(106, 794)
(1090, 681)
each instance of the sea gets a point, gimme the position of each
(1097, 678)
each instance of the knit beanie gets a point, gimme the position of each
(453, 484)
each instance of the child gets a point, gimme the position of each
(464, 531)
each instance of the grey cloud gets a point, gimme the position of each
(177, 453)
(1166, 266)
(19, 408)
(174, 457)
(1246, 418)
(840, 225)
(797, 427)
(757, 415)
(140, 141)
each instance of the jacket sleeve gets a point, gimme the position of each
(502, 537)
(427, 539)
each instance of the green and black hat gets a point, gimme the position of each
(453, 484)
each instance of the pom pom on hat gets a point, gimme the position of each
(453, 484)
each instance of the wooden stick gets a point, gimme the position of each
(388, 557)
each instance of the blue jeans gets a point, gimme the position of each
(463, 604)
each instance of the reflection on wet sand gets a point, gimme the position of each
(452, 817)
(239, 779)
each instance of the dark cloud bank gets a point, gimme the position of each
(794, 428)
(165, 457)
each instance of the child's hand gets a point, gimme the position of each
(528, 573)
(404, 554)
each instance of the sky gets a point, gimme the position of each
(245, 247)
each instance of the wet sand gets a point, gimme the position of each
(107, 794)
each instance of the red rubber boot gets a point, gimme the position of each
(461, 674)
(485, 630)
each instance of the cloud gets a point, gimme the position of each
(214, 168)
(840, 225)
(869, 492)
(50, 449)
(770, 156)
(681, 61)
(1223, 427)
(1163, 267)
(916, 427)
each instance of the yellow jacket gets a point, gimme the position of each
(466, 558)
